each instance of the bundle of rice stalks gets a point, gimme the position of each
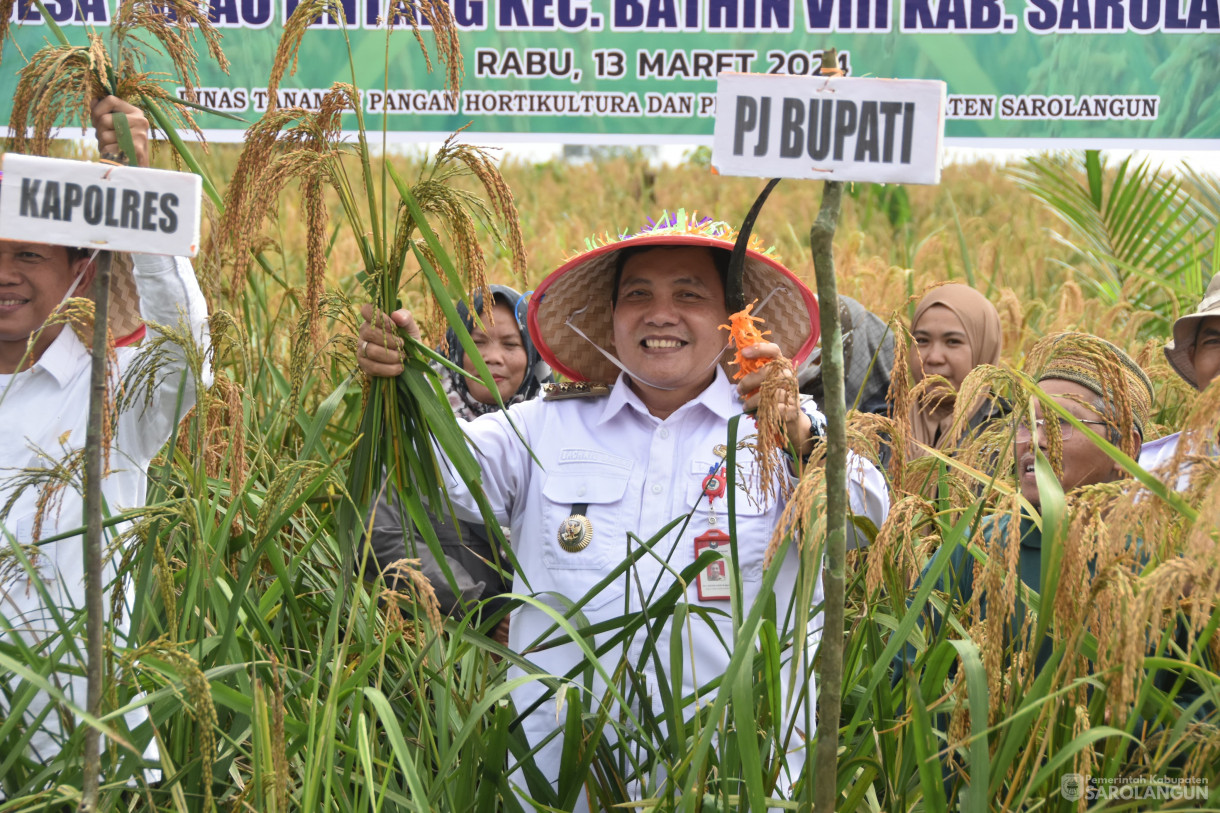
(391, 221)
(60, 82)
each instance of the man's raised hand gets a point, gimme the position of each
(108, 145)
(379, 348)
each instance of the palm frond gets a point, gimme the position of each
(1136, 232)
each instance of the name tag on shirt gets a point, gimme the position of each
(714, 580)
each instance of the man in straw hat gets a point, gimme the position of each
(641, 440)
(1194, 353)
(44, 403)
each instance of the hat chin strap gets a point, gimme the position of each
(615, 361)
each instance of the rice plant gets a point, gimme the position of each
(277, 679)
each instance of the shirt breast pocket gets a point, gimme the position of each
(20, 531)
(17, 583)
(585, 530)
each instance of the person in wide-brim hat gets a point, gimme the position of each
(571, 314)
(46, 389)
(1182, 349)
(123, 313)
(1194, 354)
(580, 473)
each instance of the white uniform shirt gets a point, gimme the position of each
(636, 473)
(1158, 457)
(44, 411)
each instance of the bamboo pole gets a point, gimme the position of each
(94, 600)
(830, 690)
(821, 238)
(94, 597)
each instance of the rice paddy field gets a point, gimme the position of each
(278, 677)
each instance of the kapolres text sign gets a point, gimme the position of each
(880, 130)
(76, 203)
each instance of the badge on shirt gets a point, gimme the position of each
(559, 390)
(713, 582)
(575, 533)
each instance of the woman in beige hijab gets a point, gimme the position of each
(955, 329)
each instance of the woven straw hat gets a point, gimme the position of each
(1177, 352)
(123, 309)
(126, 324)
(581, 291)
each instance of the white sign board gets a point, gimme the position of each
(76, 203)
(878, 130)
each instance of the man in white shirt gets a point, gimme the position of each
(640, 443)
(1194, 353)
(44, 403)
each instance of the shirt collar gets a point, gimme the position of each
(1031, 535)
(62, 358)
(719, 398)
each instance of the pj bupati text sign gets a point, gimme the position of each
(76, 203)
(878, 130)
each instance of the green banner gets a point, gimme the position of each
(1133, 73)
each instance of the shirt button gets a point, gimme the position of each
(580, 492)
(664, 433)
(657, 488)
